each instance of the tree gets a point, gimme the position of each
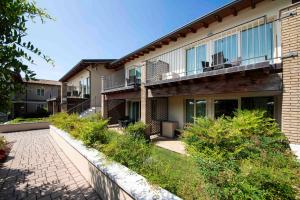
(15, 53)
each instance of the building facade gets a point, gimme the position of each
(34, 98)
(241, 56)
(81, 86)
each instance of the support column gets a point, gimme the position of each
(145, 102)
(103, 101)
(290, 37)
(63, 103)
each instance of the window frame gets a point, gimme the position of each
(194, 108)
(39, 92)
(206, 44)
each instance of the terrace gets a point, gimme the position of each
(118, 81)
(248, 46)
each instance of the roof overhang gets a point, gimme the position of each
(82, 65)
(202, 22)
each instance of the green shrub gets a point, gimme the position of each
(95, 132)
(128, 150)
(137, 129)
(67, 122)
(244, 157)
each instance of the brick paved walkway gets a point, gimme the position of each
(38, 169)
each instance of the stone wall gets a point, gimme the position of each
(290, 36)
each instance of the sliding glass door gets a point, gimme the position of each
(134, 110)
(225, 50)
(194, 108)
(257, 44)
(195, 59)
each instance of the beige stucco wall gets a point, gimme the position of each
(269, 8)
(176, 107)
(31, 90)
(97, 72)
(74, 80)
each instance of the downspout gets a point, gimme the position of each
(26, 97)
(90, 83)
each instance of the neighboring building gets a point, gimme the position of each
(81, 86)
(35, 97)
(241, 56)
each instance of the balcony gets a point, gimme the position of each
(248, 46)
(118, 82)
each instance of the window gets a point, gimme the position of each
(225, 50)
(194, 108)
(257, 44)
(225, 107)
(84, 87)
(134, 74)
(259, 103)
(195, 59)
(40, 92)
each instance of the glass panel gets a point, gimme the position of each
(42, 92)
(189, 108)
(134, 112)
(131, 72)
(259, 103)
(200, 108)
(200, 58)
(257, 43)
(138, 72)
(225, 107)
(190, 61)
(225, 50)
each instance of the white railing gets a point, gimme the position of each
(252, 42)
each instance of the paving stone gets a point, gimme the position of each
(39, 169)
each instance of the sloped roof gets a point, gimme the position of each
(82, 65)
(231, 8)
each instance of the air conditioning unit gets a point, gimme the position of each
(168, 129)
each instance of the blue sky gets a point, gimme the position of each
(106, 28)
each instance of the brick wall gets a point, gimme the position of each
(290, 36)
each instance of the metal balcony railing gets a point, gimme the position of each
(252, 42)
(115, 80)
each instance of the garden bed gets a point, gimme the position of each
(243, 157)
(111, 180)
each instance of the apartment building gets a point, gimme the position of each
(36, 97)
(81, 86)
(243, 55)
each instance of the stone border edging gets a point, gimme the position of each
(25, 126)
(113, 180)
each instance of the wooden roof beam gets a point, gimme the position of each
(218, 18)
(180, 35)
(234, 11)
(253, 4)
(174, 39)
(157, 45)
(192, 30)
(204, 24)
(166, 42)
